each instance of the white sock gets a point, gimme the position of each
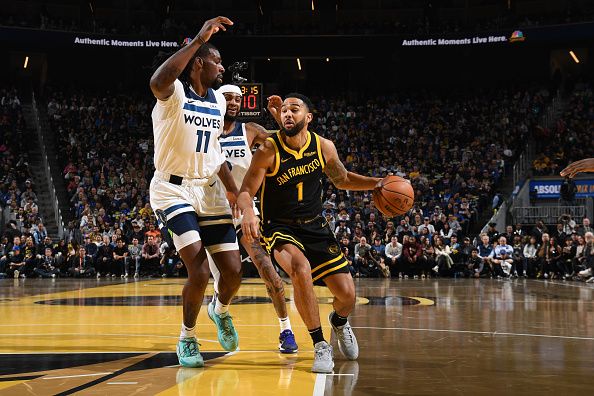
(216, 274)
(220, 308)
(285, 323)
(187, 332)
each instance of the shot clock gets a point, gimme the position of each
(251, 105)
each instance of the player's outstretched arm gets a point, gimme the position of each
(261, 162)
(338, 174)
(585, 165)
(257, 134)
(164, 77)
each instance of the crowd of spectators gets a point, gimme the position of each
(572, 135)
(179, 24)
(18, 200)
(565, 252)
(454, 149)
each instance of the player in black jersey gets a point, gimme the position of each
(290, 166)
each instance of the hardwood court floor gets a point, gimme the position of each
(417, 337)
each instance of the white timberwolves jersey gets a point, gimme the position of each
(186, 129)
(237, 151)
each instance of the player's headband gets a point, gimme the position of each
(230, 88)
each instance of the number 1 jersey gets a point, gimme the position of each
(186, 129)
(294, 188)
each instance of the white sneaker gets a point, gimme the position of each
(586, 273)
(590, 280)
(347, 342)
(126, 275)
(53, 275)
(136, 275)
(98, 275)
(435, 269)
(16, 274)
(323, 358)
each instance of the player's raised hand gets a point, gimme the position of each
(212, 26)
(274, 107)
(585, 165)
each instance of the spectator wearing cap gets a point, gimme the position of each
(502, 258)
(475, 266)
(16, 263)
(342, 229)
(492, 232)
(378, 246)
(426, 224)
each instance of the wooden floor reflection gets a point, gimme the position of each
(417, 337)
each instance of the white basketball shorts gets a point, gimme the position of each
(196, 210)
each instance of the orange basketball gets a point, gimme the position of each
(394, 196)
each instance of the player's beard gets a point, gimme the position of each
(216, 84)
(230, 117)
(295, 130)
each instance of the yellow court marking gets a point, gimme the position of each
(9, 384)
(248, 373)
(423, 301)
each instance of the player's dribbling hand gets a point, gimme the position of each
(212, 26)
(585, 165)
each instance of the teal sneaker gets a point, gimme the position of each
(225, 329)
(188, 353)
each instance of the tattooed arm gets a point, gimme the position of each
(338, 174)
(164, 77)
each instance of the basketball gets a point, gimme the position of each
(394, 196)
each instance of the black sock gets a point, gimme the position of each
(317, 335)
(337, 320)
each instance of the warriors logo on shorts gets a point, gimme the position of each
(333, 249)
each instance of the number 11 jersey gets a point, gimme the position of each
(186, 129)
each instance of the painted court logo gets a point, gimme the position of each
(517, 35)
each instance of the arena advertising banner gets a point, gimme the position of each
(556, 33)
(550, 189)
(62, 39)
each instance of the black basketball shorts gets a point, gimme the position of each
(314, 239)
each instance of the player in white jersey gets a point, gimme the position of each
(186, 193)
(237, 142)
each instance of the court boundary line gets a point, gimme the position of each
(492, 333)
(319, 385)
